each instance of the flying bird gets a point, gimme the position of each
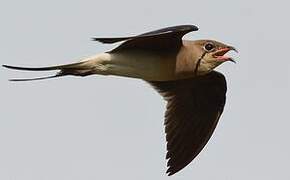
(182, 71)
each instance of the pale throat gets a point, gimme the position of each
(207, 66)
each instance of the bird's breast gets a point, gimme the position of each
(150, 66)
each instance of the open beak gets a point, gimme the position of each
(233, 48)
(220, 54)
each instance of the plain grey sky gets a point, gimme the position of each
(112, 128)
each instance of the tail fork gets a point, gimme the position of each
(77, 69)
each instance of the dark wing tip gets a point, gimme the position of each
(185, 28)
(175, 167)
(103, 40)
(110, 40)
(190, 27)
(180, 28)
(172, 170)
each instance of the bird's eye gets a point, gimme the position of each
(209, 46)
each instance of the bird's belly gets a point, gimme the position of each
(143, 65)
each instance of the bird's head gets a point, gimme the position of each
(211, 54)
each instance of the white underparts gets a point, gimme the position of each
(143, 65)
(134, 64)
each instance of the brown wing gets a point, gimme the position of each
(193, 109)
(163, 39)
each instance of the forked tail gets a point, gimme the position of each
(77, 69)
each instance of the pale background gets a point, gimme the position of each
(112, 128)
